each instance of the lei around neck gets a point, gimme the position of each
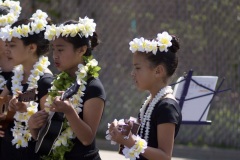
(3, 81)
(20, 131)
(62, 82)
(145, 117)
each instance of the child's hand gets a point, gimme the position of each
(38, 119)
(61, 106)
(15, 105)
(117, 135)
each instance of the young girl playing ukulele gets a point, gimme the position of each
(25, 50)
(7, 9)
(72, 43)
(154, 62)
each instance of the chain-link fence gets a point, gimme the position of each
(209, 35)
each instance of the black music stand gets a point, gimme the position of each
(186, 80)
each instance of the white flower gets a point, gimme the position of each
(52, 32)
(19, 141)
(40, 15)
(164, 41)
(87, 26)
(14, 12)
(25, 30)
(134, 45)
(93, 62)
(38, 26)
(6, 33)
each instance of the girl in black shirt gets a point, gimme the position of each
(154, 62)
(72, 44)
(5, 66)
(25, 50)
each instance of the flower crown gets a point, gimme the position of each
(162, 42)
(13, 14)
(85, 27)
(38, 24)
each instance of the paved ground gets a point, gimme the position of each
(180, 152)
(113, 155)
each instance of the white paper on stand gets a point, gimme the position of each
(193, 109)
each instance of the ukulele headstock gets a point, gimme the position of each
(29, 95)
(70, 91)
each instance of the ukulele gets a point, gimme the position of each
(126, 129)
(29, 95)
(49, 133)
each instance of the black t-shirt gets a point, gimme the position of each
(94, 89)
(8, 151)
(166, 111)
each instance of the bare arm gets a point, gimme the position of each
(85, 129)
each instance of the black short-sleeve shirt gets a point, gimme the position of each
(94, 89)
(8, 151)
(166, 111)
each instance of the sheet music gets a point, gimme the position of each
(192, 110)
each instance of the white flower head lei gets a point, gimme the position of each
(84, 28)
(14, 12)
(162, 42)
(38, 24)
(20, 130)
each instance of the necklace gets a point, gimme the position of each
(20, 131)
(146, 117)
(2, 81)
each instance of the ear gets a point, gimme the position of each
(159, 71)
(32, 48)
(82, 50)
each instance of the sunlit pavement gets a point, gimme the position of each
(113, 155)
(180, 152)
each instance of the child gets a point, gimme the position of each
(7, 9)
(25, 50)
(154, 62)
(73, 42)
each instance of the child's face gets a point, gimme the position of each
(143, 74)
(16, 52)
(64, 55)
